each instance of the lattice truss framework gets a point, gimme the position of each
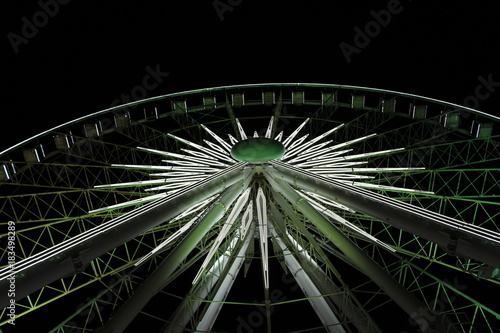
(432, 155)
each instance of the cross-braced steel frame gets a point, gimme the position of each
(384, 202)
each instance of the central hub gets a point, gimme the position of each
(257, 150)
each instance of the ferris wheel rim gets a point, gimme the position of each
(251, 85)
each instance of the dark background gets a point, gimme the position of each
(91, 52)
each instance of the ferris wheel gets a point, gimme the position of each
(230, 209)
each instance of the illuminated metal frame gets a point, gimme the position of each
(321, 160)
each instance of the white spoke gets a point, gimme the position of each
(269, 128)
(279, 137)
(211, 152)
(312, 151)
(296, 143)
(320, 154)
(386, 187)
(129, 203)
(241, 130)
(130, 184)
(298, 149)
(348, 224)
(262, 221)
(218, 138)
(348, 143)
(169, 240)
(199, 154)
(328, 163)
(327, 201)
(292, 136)
(246, 220)
(212, 162)
(238, 207)
(371, 170)
(232, 139)
(215, 147)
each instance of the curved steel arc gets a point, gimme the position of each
(206, 90)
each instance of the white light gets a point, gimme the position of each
(218, 138)
(169, 186)
(386, 187)
(324, 154)
(238, 207)
(232, 139)
(185, 163)
(129, 184)
(290, 138)
(203, 149)
(347, 143)
(327, 163)
(295, 151)
(343, 170)
(154, 151)
(193, 209)
(348, 224)
(320, 154)
(269, 128)
(169, 240)
(297, 143)
(193, 169)
(246, 220)
(241, 130)
(129, 203)
(348, 176)
(5, 171)
(327, 201)
(262, 218)
(147, 167)
(312, 151)
(198, 154)
(363, 155)
(215, 147)
(279, 137)
(184, 179)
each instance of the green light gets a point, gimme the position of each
(257, 150)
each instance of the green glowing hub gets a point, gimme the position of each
(257, 150)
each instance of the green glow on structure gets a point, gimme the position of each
(257, 150)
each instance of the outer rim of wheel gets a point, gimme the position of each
(263, 85)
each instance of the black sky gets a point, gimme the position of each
(89, 53)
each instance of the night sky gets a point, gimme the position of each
(83, 56)
(63, 60)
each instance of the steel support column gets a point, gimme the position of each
(319, 304)
(227, 262)
(456, 237)
(71, 256)
(364, 263)
(157, 280)
(342, 301)
(209, 317)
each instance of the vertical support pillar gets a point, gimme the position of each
(156, 281)
(384, 280)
